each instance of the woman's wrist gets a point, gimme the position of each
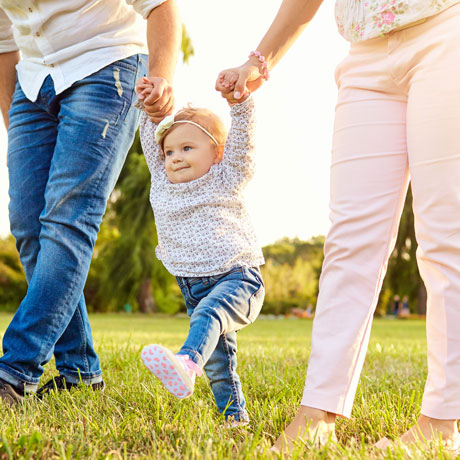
(258, 59)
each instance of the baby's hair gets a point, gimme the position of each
(205, 118)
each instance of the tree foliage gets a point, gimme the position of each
(291, 273)
(403, 277)
(13, 285)
(186, 46)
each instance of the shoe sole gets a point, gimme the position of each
(164, 365)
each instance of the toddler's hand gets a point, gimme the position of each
(143, 88)
(157, 97)
(236, 84)
(226, 80)
(225, 83)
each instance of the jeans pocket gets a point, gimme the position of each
(190, 301)
(128, 64)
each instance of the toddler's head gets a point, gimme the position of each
(192, 141)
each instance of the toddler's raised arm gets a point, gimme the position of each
(152, 150)
(238, 159)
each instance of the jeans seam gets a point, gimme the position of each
(66, 302)
(229, 368)
(83, 335)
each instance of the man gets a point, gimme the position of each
(70, 124)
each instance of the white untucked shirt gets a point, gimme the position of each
(70, 39)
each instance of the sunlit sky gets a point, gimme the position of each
(289, 194)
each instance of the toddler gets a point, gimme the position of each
(206, 240)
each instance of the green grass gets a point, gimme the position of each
(136, 418)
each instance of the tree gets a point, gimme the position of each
(291, 273)
(403, 277)
(13, 285)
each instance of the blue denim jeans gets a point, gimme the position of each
(218, 307)
(65, 153)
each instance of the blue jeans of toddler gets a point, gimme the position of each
(218, 307)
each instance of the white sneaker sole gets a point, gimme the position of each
(165, 365)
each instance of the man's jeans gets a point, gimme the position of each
(65, 153)
(219, 306)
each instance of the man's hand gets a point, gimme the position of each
(157, 95)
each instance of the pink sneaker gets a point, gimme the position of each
(176, 372)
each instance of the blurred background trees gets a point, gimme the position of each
(403, 277)
(125, 275)
(13, 285)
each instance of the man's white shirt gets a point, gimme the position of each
(70, 40)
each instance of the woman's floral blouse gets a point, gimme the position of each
(360, 20)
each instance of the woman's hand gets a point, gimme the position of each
(236, 84)
(292, 18)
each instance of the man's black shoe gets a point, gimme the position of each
(9, 394)
(61, 384)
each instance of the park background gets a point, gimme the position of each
(288, 198)
(135, 418)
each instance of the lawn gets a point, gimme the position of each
(136, 418)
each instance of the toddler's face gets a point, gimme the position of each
(189, 153)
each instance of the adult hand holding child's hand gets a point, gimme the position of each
(238, 83)
(157, 97)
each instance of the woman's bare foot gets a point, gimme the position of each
(311, 425)
(430, 429)
(425, 430)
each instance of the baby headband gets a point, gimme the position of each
(168, 121)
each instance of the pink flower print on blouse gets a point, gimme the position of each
(340, 26)
(387, 17)
(364, 19)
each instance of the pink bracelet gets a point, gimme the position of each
(264, 71)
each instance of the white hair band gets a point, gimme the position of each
(167, 122)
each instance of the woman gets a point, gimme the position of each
(397, 116)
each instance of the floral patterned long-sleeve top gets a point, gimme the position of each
(203, 226)
(360, 20)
